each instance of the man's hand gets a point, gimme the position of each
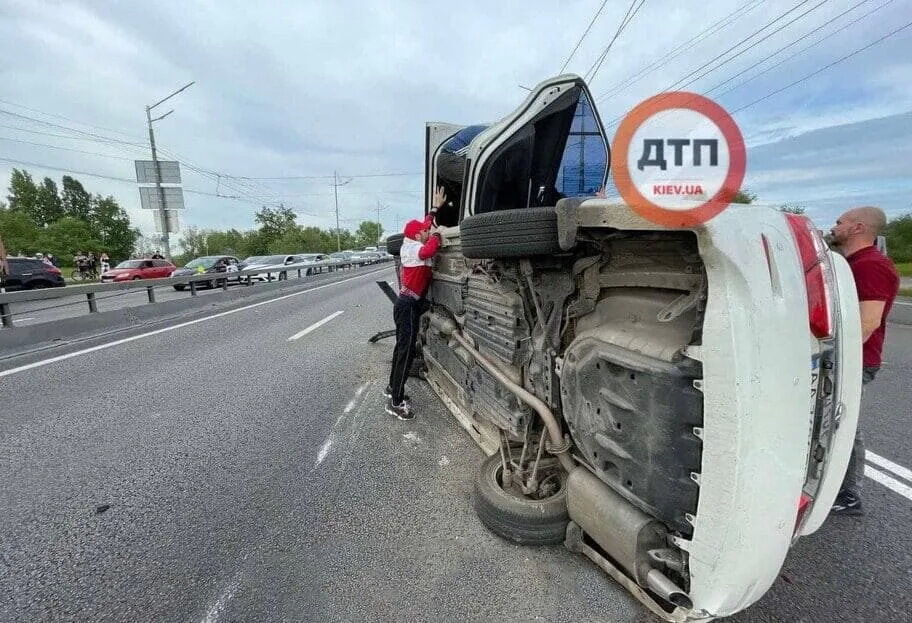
(439, 198)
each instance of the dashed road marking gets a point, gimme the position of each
(212, 615)
(316, 325)
(888, 481)
(890, 466)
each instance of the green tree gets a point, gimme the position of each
(367, 234)
(66, 237)
(111, 225)
(23, 195)
(275, 222)
(899, 238)
(48, 207)
(231, 242)
(792, 209)
(77, 201)
(193, 242)
(744, 196)
(20, 233)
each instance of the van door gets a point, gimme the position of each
(552, 146)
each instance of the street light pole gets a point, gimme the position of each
(162, 210)
(336, 185)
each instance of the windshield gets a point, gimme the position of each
(130, 264)
(266, 259)
(205, 262)
(255, 259)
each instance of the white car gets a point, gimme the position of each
(677, 405)
(262, 262)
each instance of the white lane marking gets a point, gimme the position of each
(25, 319)
(324, 450)
(902, 303)
(216, 609)
(316, 325)
(351, 403)
(888, 482)
(45, 362)
(887, 464)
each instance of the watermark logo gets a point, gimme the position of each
(679, 159)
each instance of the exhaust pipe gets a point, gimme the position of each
(558, 446)
(659, 583)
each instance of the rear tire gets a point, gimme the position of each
(179, 288)
(510, 233)
(394, 244)
(515, 517)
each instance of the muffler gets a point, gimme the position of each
(623, 531)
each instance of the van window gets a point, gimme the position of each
(585, 162)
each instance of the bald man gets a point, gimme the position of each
(877, 283)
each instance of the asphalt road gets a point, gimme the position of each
(218, 471)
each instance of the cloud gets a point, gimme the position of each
(308, 88)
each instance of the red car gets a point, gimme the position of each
(138, 269)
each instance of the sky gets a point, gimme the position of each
(305, 89)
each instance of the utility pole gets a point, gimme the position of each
(379, 207)
(336, 185)
(165, 239)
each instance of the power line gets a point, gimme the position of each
(680, 83)
(824, 68)
(69, 129)
(583, 36)
(628, 17)
(799, 52)
(675, 52)
(49, 114)
(80, 151)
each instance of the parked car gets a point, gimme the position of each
(209, 264)
(138, 269)
(678, 405)
(258, 262)
(348, 257)
(313, 258)
(26, 273)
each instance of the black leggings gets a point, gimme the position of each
(406, 313)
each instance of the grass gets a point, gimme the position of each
(905, 269)
(905, 292)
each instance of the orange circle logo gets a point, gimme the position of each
(679, 159)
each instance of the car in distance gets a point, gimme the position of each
(260, 262)
(208, 264)
(26, 273)
(131, 270)
(313, 258)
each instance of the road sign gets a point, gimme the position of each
(150, 199)
(170, 171)
(166, 221)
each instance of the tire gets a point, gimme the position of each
(179, 288)
(283, 276)
(76, 275)
(38, 284)
(510, 233)
(136, 278)
(519, 519)
(394, 243)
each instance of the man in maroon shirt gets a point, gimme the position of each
(877, 283)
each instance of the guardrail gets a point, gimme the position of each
(192, 281)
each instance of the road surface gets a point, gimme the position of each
(217, 470)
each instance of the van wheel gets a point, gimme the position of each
(510, 233)
(514, 516)
(394, 243)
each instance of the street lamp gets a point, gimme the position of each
(166, 243)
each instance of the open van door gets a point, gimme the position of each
(552, 146)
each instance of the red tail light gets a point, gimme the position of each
(53, 270)
(817, 274)
(804, 503)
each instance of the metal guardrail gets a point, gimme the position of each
(192, 281)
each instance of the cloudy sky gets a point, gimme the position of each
(302, 89)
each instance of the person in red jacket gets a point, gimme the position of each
(877, 283)
(419, 245)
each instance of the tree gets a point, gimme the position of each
(275, 223)
(792, 209)
(77, 202)
(20, 233)
(368, 233)
(67, 236)
(23, 195)
(48, 207)
(193, 242)
(899, 238)
(744, 196)
(111, 225)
